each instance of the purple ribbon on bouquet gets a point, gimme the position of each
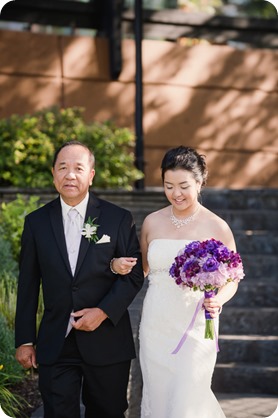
(209, 294)
(190, 326)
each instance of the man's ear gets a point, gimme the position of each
(92, 176)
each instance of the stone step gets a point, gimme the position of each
(249, 214)
(248, 349)
(140, 199)
(213, 198)
(246, 321)
(257, 242)
(237, 220)
(255, 294)
(245, 377)
(254, 199)
(249, 219)
(264, 267)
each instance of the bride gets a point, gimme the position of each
(178, 385)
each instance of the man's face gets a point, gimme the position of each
(73, 173)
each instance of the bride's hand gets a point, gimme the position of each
(213, 306)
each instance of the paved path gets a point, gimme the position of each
(248, 405)
(233, 405)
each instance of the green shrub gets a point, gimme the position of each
(10, 371)
(8, 296)
(28, 142)
(12, 216)
(8, 292)
(11, 404)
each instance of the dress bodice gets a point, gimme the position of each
(162, 253)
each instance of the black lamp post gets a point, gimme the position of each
(139, 149)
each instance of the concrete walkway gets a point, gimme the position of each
(234, 406)
(248, 405)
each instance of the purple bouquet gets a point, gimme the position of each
(206, 266)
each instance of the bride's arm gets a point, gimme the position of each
(144, 245)
(225, 293)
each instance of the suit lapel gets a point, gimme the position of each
(93, 211)
(58, 230)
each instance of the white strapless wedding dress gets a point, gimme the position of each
(174, 385)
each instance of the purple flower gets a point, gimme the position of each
(191, 268)
(235, 259)
(206, 265)
(179, 281)
(211, 264)
(201, 252)
(211, 245)
(191, 248)
(222, 254)
(174, 270)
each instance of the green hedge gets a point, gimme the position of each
(28, 143)
(12, 215)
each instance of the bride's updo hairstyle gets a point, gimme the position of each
(185, 158)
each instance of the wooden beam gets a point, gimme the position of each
(174, 24)
(179, 18)
(51, 12)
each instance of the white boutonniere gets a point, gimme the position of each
(105, 238)
(89, 230)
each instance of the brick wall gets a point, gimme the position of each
(218, 99)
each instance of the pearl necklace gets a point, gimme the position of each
(178, 223)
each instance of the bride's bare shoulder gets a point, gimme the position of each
(155, 220)
(215, 226)
(157, 216)
(212, 218)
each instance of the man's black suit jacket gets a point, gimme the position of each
(44, 259)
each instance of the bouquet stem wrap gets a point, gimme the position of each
(209, 329)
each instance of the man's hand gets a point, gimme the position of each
(88, 319)
(123, 265)
(26, 356)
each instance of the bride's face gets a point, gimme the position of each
(181, 189)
